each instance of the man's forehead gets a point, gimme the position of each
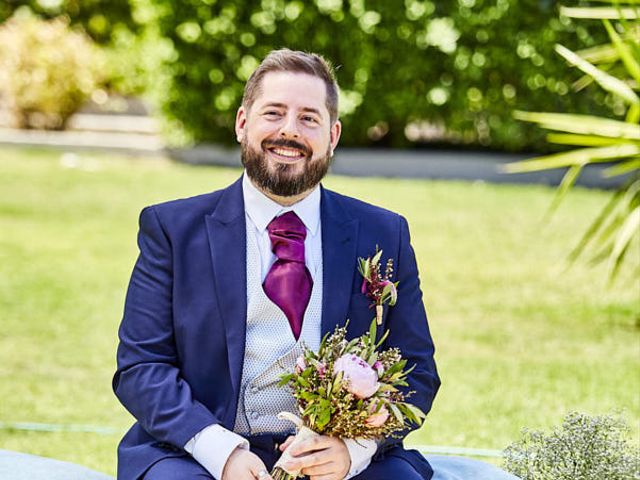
(292, 90)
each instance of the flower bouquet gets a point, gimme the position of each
(348, 389)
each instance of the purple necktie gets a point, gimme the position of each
(288, 283)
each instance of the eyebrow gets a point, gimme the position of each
(282, 105)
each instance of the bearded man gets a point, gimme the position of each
(216, 311)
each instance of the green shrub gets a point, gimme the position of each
(583, 448)
(408, 69)
(99, 18)
(46, 70)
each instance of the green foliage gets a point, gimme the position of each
(583, 448)
(99, 18)
(615, 67)
(46, 70)
(410, 71)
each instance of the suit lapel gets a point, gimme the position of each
(226, 228)
(339, 241)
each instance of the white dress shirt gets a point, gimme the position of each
(212, 446)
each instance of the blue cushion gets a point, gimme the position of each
(21, 466)
(461, 468)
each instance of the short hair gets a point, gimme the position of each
(285, 60)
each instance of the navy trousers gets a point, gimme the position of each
(186, 468)
(266, 447)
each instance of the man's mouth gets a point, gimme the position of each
(286, 154)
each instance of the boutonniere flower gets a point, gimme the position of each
(376, 285)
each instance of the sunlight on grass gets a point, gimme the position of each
(519, 340)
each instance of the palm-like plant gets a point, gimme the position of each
(615, 67)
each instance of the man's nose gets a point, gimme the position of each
(290, 127)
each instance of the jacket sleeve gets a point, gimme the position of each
(148, 381)
(409, 331)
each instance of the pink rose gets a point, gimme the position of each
(300, 364)
(362, 380)
(377, 419)
(321, 368)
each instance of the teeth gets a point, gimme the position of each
(287, 153)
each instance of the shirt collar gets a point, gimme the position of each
(261, 209)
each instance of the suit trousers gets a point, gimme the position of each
(266, 447)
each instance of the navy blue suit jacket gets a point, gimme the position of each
(183, 332)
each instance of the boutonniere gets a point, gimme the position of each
(378, 287)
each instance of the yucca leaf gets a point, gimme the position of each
(568, 181)
(633, 114)
(631, 64)
(595, 226)
(578, 157)
(616, 2)
(582, 140)
(629, 229)
(622, 168)
(606, 81)
(605, 53)
(581, 124)
(597, 13)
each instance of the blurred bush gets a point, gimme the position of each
(411, 71)
(47, 70)
(99, 18)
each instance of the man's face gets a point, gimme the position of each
(286, 136)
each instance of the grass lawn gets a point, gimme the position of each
(519, 341)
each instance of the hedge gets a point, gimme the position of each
(410, 72)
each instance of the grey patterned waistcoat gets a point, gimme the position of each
(271, 349)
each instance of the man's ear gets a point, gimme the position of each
(334, 135)
(241, 122)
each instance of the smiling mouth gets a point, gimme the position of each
(286, 154)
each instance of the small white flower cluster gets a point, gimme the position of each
(582, 448)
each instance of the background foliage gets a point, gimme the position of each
(46, 70)
(100, 18)
(411, 71)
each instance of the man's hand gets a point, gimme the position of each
(321, 458)
(244, 465)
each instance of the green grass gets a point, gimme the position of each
(519, 341)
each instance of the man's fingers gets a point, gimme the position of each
(323, 469)
(309, 460)
(286, 444)
(316, 443)
(259, 470)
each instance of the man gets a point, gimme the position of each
(228, 286)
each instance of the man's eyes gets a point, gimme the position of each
(277, 114)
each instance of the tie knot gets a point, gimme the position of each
(287, 234)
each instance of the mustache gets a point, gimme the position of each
(286, 143)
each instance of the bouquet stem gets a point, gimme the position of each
(278, 472)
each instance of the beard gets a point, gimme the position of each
(283, 182)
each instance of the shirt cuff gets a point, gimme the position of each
(212, 446)
(361, 451)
